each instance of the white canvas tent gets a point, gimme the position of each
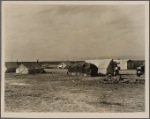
(105, 66)
(29, 68)
(123, 64)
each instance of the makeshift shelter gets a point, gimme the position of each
(133, 64)
(123, 64)
(82, 69)
(29, 68)
(129, 64)
(11, 67)
(105, 66)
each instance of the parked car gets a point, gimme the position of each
(140, 70)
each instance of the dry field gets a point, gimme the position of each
(61, 93)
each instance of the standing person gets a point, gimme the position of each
(116, 71)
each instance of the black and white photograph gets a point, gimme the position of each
(75, 59)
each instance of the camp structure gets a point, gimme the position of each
(11, 67)
(64, 65)
(105, 66)
(129, 64)
(29, 68)
(123, 64)
(82, 69)
(133, 64)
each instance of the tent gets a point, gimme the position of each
(82, 69)
(123, 64)
(105, 66)
(129, 64)
(133, 64)
(29, 68)
(11, 67)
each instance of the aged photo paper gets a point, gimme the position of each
(75, 59)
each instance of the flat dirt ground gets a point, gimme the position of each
(61, 93)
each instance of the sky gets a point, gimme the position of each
(73, 32)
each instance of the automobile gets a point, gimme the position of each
(140, 70)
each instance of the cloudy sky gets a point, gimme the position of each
(73, 32)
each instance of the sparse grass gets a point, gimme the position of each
(60, 93)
